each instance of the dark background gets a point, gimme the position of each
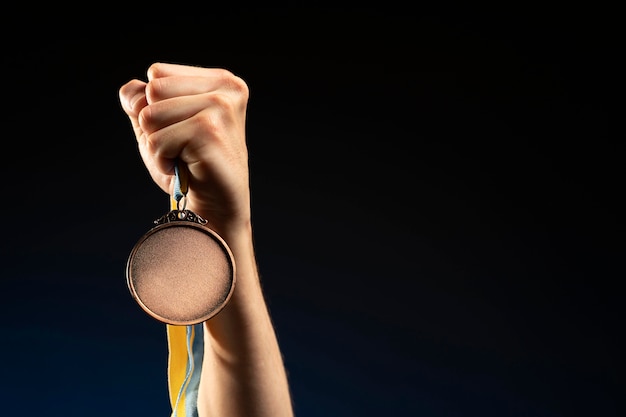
(436, 199)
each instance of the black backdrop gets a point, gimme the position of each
(436, 199)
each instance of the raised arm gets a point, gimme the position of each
(198, 116)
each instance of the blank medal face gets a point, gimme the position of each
(181, 273)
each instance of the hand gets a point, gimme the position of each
(197, 116)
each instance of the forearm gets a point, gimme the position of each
(243, 372)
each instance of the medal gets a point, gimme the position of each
(181, 272)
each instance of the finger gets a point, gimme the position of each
(175, 86)
(194, 141)
(160, 70)
(186, 140)
(171, 80)
(171, 111)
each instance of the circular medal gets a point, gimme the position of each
(181, 272)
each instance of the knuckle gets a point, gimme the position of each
(233, 83)
(146, 119)
(151, 142)
(208, 123)
(154, 90)
(155, 70)
(221, 101)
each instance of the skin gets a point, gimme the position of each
(198, 115)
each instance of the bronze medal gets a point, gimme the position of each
(181, 272)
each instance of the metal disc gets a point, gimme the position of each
(181, 273)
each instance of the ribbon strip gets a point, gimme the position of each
(185, 343)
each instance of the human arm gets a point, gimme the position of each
(197, 116)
